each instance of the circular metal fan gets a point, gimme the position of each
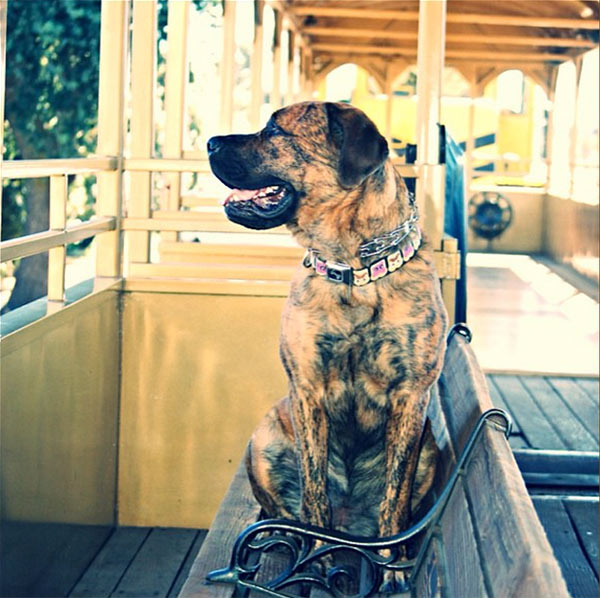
(490, 214)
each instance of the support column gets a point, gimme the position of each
(551, 91)
(3, 7)
(175, 85)
(114, 34)
(143, 60)
(276, 90)
(256, 64)
(289, 96)
(574, 128)
(389, 92)
(430, 64)
(227, 66)
(470, 141)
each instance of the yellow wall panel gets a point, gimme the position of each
(59, 409)
(524, 235)
(199, 372)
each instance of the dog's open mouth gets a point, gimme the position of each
(261, 208)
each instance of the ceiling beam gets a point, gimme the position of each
(480, 19)
(410, 51)
(513, 40)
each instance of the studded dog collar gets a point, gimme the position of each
(404, 240)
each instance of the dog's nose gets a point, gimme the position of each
(213, 144)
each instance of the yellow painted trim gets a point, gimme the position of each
(255, 288)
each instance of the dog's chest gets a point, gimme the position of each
(362, 376)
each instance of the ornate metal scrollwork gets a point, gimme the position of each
(312, 557)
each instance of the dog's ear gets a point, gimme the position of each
(362, 148)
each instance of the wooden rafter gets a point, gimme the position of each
(451, 53)
(513, 40)
(481, 19)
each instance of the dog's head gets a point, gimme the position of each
(307, 152)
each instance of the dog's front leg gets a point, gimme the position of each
(403, 435)
(310, 427)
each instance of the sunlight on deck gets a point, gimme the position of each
(524, 317)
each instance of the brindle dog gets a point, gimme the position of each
(348, 448)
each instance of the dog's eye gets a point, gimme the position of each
(272, 128)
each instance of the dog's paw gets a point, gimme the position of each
(394, 582)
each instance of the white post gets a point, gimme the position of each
(227, 66)
(289, 96)
(114, 32)
(256, 66)
(574, 126)
(276, 90)
(470, 141)
(2, 83)
(143, 59)
(430, 64)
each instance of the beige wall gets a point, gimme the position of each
(59, 408)
(524, 235)
(571, 234)
(199, 372)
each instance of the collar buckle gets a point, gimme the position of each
(336, 272)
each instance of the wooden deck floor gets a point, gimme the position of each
(549, 413)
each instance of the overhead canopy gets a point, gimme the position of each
(482, 37)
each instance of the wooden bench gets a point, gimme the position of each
(487, 541)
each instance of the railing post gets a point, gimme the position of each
(57, 255)
(143, 61)
(276, 89)
(2, 84)
(175, 85)
(430, 65)
(227, 66)
(256, 66)
(113, 61)
(289, 96)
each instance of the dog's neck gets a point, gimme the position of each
(337, 233)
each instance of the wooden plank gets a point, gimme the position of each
(569, 427)
(578, 574)
(498, 401)
(187, 564)
(28, 551)
(584, 516)
(460, 547)
(238, 510)
(590, 386)
(516, 556)
(535, 426)
(70, 560)
(156, 565)
(579, 402)
(110, 564)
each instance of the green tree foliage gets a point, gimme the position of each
(52, 56)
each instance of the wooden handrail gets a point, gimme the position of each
(40, 242)
(29, 169)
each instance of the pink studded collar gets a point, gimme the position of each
(402, 251)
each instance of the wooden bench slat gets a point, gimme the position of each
(504, 515)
